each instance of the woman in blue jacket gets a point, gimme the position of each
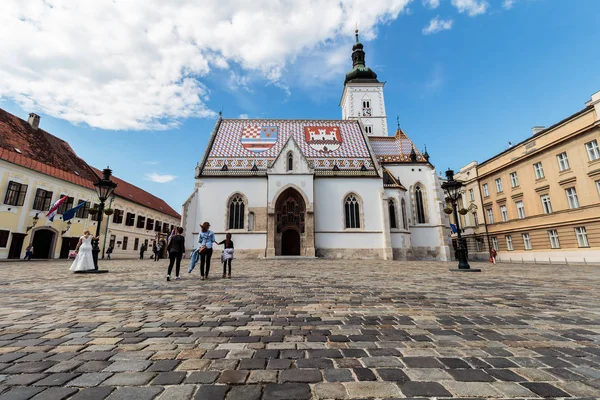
(206, 240)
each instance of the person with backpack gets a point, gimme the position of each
(176, 249)
(227, 254)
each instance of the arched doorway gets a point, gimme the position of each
(290, 214)
(43, 243)
(290, 243)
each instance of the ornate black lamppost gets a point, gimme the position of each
(453, 192)
(104, 188)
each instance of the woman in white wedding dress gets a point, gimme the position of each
(84, 260)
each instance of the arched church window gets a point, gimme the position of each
(290, 161)
(392, 212)
(368, 129)
(404, 221)
(236, 212)
(420, 207)
(352, 211)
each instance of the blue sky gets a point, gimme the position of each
(484, 79)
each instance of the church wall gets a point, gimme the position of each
(277, 183)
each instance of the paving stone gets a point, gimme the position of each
(28, 367)
(287, 391)
(470, 375)
(544, 389)
(202, 377)
(262, 376)
(392, 374)
(246, 392)
(330, 391)
(169, 378)
(233, 376)
(427, 389)
(56, 379)
(135, 393)
(320, 363)
(422, 362)
(23, 379)
(364, 374)
(128, 366)
(253, 363)
(382, 362)
(454, 363)
(338, 375)
(90, 379)
(504, 375)
(279, 364)
(55, 394)
(300, 375)
(164, 366)
(427, 374)
(371, 389)
(93, 393)
(93, 366)
(472, 389)
(180, 392)
(212, 392)
(20, 393)
(129, 379)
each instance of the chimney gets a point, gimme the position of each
(34, 121)
(537, 129)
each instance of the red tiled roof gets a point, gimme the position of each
(394, 149)
(43, 152)
(134, 194)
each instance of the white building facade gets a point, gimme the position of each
(324, 188)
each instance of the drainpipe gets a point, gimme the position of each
(106, 227)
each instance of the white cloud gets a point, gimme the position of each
(471, 7)
(437, 25)
(142, 65)
(436, 81)
(243, 116)
(154, 177)
(508, 4)
(431, 3)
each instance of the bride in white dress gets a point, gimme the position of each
(84, 260)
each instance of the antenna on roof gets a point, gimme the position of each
(398, 121)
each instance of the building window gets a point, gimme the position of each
(404, 221)
(94, 216)
(130, 220)
(141, 222)
(592, 150)
(165, 228)
(526, 241)
(514, 179)
(352, 212)
(366, 103)
(4, 238)
(486, 190)
(290, 161)
(504, 213)
(157, 226)
(43, 199)
(15, 194)
(495, 243)
(66, 205)
(563, 161)
(118, 217)
(499, 185)
(149, 224)
(368, 129)
(539, 170)
(236, 212)
(84, 211)
(471, 194)
(392, 212)
(475, 219)
(419, 205)
(546, 205)
(136, 243)
(553, 236)
(509, 244)
(520, 209)
(124, 243)
(572, 197)
(598, 186)
(582, 238)
(251, 221)
(490, 215)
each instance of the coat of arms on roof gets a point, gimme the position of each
(323, 138)
(259, 138)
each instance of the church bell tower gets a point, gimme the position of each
(362, 97)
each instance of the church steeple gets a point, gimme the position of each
(360, 72)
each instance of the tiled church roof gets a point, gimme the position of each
(340, 145)
(394, 149)
(43, 152)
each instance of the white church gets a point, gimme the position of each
(321, 188)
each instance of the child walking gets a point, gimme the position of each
(227, 254)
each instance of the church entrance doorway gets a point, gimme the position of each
(290, 215)
(43, 242)
(290, 243)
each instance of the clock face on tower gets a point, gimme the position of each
(366, 112)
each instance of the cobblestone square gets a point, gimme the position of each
(299, 329)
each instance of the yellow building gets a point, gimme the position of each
(541, 197)
(36, 169)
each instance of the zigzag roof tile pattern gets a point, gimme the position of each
(394, 149)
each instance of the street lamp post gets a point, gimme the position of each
(104, 188)
(453, 191)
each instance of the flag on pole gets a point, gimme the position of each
(171, 235)
(453, 228)
(54, 209)
(71, 213)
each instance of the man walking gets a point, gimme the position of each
(142, 250)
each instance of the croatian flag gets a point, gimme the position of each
(171, 235)
(54, 209)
